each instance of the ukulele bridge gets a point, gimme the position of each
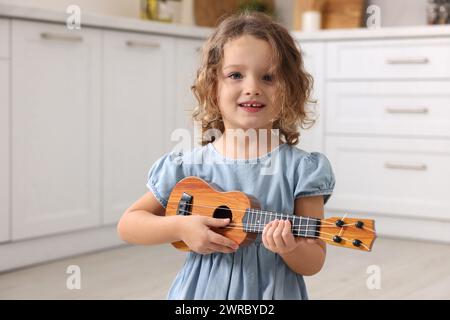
(185, 205)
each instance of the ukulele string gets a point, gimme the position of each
(253, 225)
(342, 229)
(309, 236)
(268, 213)
(332, 226)
(259, 228)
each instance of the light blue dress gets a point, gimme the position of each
(276, 180)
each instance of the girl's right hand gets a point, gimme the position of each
(195, 232)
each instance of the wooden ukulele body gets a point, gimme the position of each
(211, 202)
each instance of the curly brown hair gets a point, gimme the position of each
(293, 85)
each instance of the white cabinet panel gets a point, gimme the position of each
(139, 89)
(55, 129)
(187, 62)
(4, 152)
(4, 38)
(314, 58)
(389, 108)
(400, 177)
(389, 59)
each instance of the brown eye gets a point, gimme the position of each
(268, 77)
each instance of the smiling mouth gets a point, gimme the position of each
(252, 105)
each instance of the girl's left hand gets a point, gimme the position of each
(277, 237)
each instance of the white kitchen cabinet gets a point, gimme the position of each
(389, 59)
(55, 129)
(187, 61)
(314, 58)
(84, 114)
(5, 212)
(400, 108)
(4, 38)
(387, 133)
(403, 178)
(139, 90)
(4, 152)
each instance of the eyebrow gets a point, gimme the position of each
(234, 66)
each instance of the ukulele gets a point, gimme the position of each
(195, 196)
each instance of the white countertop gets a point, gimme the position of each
(379, 33)
(138, 25)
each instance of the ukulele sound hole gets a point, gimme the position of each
(222, 212)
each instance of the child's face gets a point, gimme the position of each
(244, 77)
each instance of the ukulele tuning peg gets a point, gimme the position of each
(357, 242)
(339, 223)
(337, 239)
(359, 224)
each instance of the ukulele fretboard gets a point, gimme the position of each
(255, 221)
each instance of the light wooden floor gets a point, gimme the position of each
(409, 270)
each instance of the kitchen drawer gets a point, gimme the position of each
(389, 108)
(389, 59)
(4, 38)
(398, 177)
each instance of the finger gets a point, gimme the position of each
(277, 235)
(287, 235)
(267, 227)
(214, 222)
(269, 234)
(264, 235)
(222, 240)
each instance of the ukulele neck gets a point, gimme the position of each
(255, 220)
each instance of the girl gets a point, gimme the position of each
(251, 78)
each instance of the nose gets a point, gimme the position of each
(251, 87)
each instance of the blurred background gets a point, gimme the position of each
(91, 93)
(395, 13)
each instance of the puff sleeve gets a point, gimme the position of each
(164, 175)
(314, 177)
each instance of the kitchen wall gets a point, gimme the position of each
(393, 13)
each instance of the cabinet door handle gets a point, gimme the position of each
(403, 166)
(131, 43)
(418, 60)
(64, 37)
(407, 110)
